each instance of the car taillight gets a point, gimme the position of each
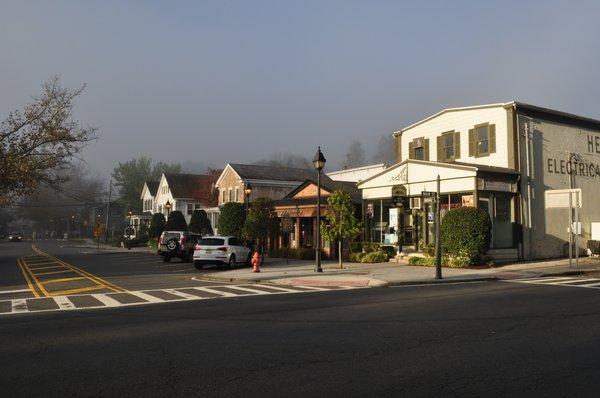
(197, 247)
(223, 249)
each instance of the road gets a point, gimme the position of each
(470, 339)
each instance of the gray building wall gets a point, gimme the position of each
(550, 144)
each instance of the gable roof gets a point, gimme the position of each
(328, 185)
(199, 187)
(260, 172)
(153, 187)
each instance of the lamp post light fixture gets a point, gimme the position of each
(247, 192)
(319, 163)
(168, 207)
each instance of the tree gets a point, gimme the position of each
(37, 143)
(200, 223)
(231, 219)
(385, 151)
(176, 222)
(157, 225)
(130, 177)
(341, 221)
(286, 160)
(262, 222)
(355, 156)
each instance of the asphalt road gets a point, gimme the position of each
(476, 339)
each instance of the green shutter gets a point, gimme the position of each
(440, 148)
(492, 137)
(426, 149)
(457, 145)
(472, 143)
(411, 150)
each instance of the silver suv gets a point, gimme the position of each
(177, 244)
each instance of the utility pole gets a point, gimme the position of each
(108, 210)
(438, 235)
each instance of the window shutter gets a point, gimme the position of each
(411, 150)
(440, 148)
(457, 145)
(492, 137)
(426, 149)
(472, 143)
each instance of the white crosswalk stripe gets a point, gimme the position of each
(569, 281)
(132, 298)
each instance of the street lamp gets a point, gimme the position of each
(247, 192)
(319, 163)
(168, 207)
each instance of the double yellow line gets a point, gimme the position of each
(38, 287)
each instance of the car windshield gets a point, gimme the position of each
(211, 242)
(170, 235)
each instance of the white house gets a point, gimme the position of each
(499, 157)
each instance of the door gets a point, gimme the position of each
(484, 204)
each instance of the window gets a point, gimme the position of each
(230, 195)
(237, 194)
(223, 196)
(482, 140)
(196, 206)
(448, 146)
(418, 149)
(190, 209)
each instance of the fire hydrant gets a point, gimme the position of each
(256, 262)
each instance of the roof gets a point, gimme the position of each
(153, 187)
(327, 184)
(199, 187)
(485, 168)
(522, 108)
(260, 172)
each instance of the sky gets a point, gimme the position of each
(212, 82)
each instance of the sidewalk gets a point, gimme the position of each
(92, 245)
(299, 272)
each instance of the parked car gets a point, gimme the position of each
(221, 250)
(15, 237)
(177, 244)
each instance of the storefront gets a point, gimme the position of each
(394, 206)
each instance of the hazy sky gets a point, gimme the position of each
(224, 81)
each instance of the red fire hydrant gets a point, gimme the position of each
(256, 262)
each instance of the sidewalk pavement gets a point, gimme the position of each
(299, 272)
(93, 246)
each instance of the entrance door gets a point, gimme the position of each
(484, 204)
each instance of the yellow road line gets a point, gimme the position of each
(80, 290)
(64, 271)
(76, 278)
(29, 284)
(47, 267)
(37, 281)
(94, 278)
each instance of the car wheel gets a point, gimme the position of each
(232, 262)
(198, 265)
(167, 259)
(172, 245)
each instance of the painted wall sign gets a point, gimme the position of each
(401, 176)
(468, 201)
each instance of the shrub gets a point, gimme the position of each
(466, 231)
(375, 257)
(157, 225)
(304, 254)
(176, 222)
(356, 257)
(593, 247)
(200, 223)
(355, 247)
(429, 250)
(389, 250)
(232, 218)
(458, 262)
(368, 247)
(152, 242)
(413, 260)
(423, 261)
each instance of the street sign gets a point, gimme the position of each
(428, 194)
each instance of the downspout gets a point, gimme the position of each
(527, 180)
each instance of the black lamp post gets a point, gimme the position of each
(247, 192)
(319, 163)
(168, 207)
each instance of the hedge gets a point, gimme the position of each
(466, 233)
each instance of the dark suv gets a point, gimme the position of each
(177, 244)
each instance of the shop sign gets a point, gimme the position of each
(491, 185)
(370, 210)
(394, 218)
(468, 201)
(429, 216)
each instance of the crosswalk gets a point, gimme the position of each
(144, 297)
(569, 281)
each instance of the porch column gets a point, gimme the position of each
(296, 243)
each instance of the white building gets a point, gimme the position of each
(498, 157)
(356, 174)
